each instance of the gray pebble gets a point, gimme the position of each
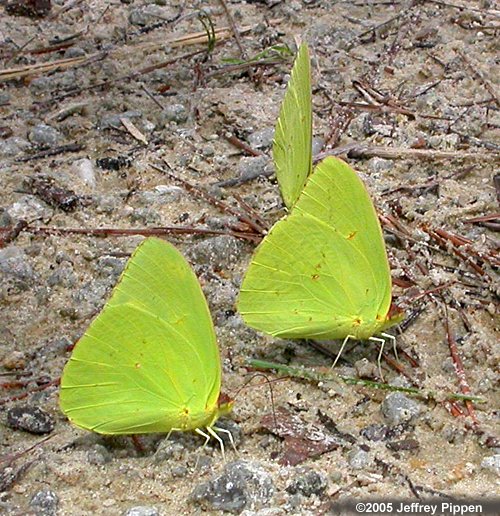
(317, 145)
(177, 113)
(41, 84)
(15, 266)
(179, 471)
(142, 510)
(44, 135)
(220, 252)
(358, 459)
(106, 203)
(74, 52)
(30, 419)
(4, 97)
(261, 139)
(5, 219)
(311, 483)
(151, 13)
(375, 432)
(114, 122)
(492, 464)
(99, 455)
(398, 408)
(161, 194)
(380, 164)
(252, 167)
(146, 216)
(63, 275)
(13, 146)
(45, 503)
(29, 208)
(242, 484)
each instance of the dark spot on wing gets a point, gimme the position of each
(351, 235)
(315, 276)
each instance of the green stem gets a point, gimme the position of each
(316, 376)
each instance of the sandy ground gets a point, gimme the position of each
(404, 91)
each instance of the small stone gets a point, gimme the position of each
(114, 121)
(13, 146)
(177, 113)
(14, 360)
(358, 459)
(99, 455)
(146, 216)
(220, 252)
(179, 471)
(366, 369)
(15, 266)
(85, 171)
(141, 510)
(45, 136)
(208, 151)
(151, 13)
(492, 464)
(42, 84)
(261, 139)
(317, 145)
(242, 485)
(398, 408)
(29, 208)
(380, 164)
(45, 503)
(375, 432)
(161, 194)
(73, 52)
(252, 167)
(30, 419)
(311, 483)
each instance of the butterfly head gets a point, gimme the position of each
(224, 404)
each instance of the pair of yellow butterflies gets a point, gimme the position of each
(150, 363)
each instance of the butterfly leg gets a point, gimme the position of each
(211, 431)
(207, 438)
(230, 436)
(391, 337)
(341, 349)
(379, 358)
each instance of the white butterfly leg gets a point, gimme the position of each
(211, 431)
(341, 349)
(391, 337)
(229, 434)
(207, 438)
(379, 358)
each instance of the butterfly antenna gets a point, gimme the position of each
(341, 350)
(271, 393)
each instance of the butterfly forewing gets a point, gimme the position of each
(292, 148)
